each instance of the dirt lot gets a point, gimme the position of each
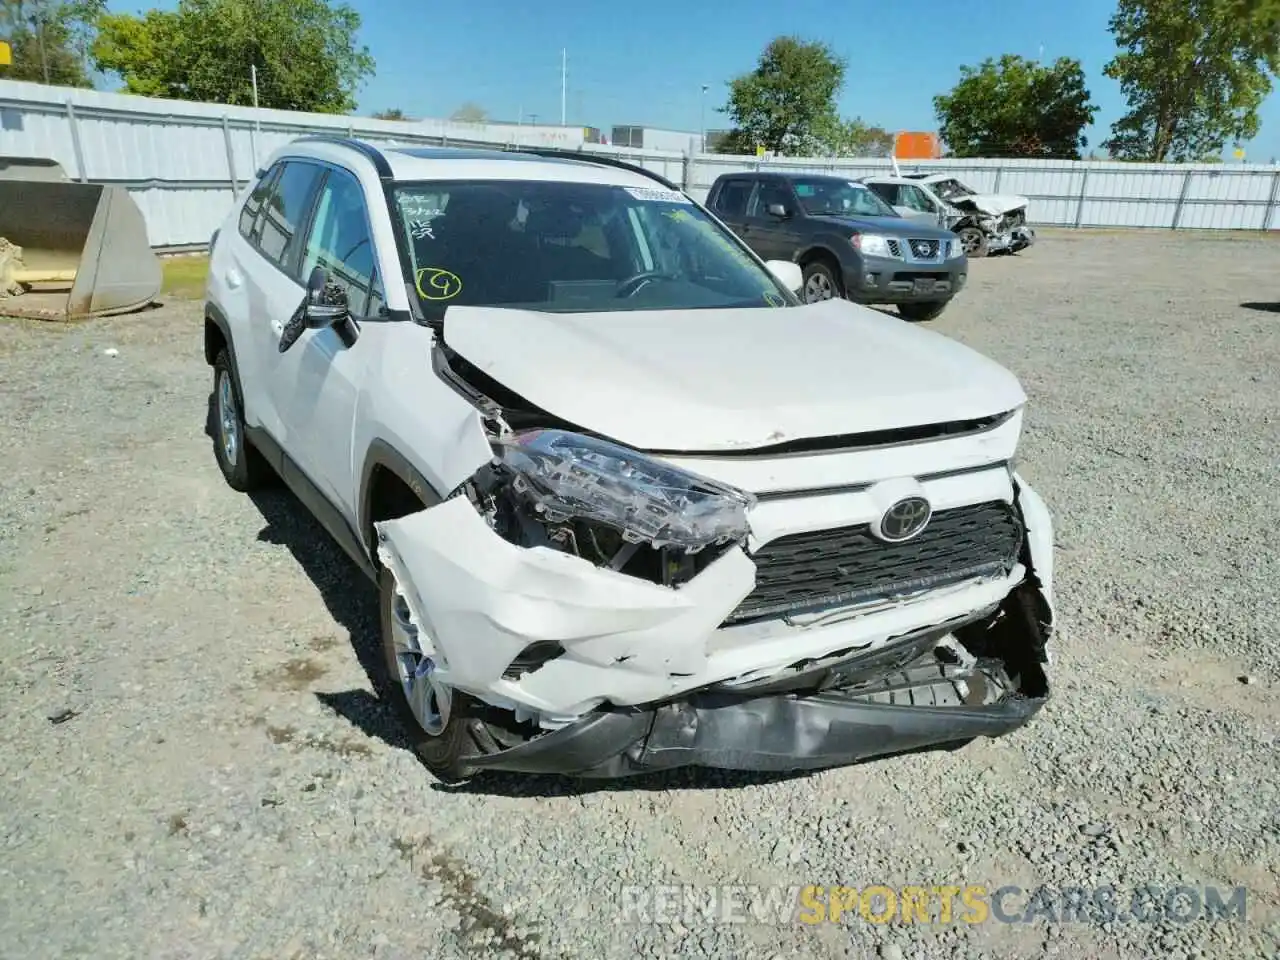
(194, 764)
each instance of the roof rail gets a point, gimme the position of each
(587, 156)
(369, 150)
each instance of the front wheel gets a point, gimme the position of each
(820, 283)
(921, 312)
(435, 716)
(973, 241)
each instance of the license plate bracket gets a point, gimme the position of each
(923, 285)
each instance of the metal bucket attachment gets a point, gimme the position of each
(83, 246)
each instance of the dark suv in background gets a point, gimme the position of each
(848, 241)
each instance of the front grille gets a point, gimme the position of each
(925, 249)
(894, 248)
(845, 566)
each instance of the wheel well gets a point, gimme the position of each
(389, 498)
(215, 340)
(821, 254)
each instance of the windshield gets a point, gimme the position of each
(950, 189)
(574, 248)
(840, 198)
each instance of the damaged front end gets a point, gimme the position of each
(1006, 232)
(612, 614)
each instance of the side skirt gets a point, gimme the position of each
(321, 507)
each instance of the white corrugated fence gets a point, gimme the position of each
(183, 162)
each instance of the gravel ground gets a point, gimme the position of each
(194, 764)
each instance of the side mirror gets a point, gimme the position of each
(777, 210)
(326, 302)
(325, 305)
(789, 274)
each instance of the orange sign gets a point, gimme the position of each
(917, 145)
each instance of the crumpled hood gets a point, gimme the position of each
(718, 380)
(994, 204)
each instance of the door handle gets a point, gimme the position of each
(234, 278)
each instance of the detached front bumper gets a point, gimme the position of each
(776, 733)
(645, 678)
(1019, 238)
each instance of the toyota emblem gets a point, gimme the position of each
(905, 519)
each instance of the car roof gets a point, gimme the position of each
(409, 163)
(783, 175)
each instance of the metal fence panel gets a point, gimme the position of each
(184, 162)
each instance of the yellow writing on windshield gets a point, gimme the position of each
(437, 283)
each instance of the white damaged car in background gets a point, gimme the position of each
(1002, 217)
(629, 504)
(985, 223)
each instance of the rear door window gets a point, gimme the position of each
(886, 192)
(732, 199)
(249, 214)
(286, 212)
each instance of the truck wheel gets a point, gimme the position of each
(241, 464)
(921, 312)
(435, 716)
(973, 241)
(820, 282)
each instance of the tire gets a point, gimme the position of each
(819, 275)
(921, 312)
(242, 466)
(973, 241)
(445, 751)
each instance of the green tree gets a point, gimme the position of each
(788, 101)
(395, 113)
(49, 40)
(854, 138)
(1194, 73)
(304, 52)
(1014, 107)
(470, 113)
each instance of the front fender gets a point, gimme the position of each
(821, 246)
(414, 424)
(1039, 524)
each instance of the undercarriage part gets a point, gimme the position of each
(83, 247)
(924, 691)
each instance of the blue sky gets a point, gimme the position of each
(645, 63)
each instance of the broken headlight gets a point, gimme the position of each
(562, 477)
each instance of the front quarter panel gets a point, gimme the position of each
(1039, 521)
(416, 421)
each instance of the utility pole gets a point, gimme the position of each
(702, 118)
(41, 15)
(257, 128)
(564, 83)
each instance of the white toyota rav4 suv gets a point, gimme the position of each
(628, 503)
